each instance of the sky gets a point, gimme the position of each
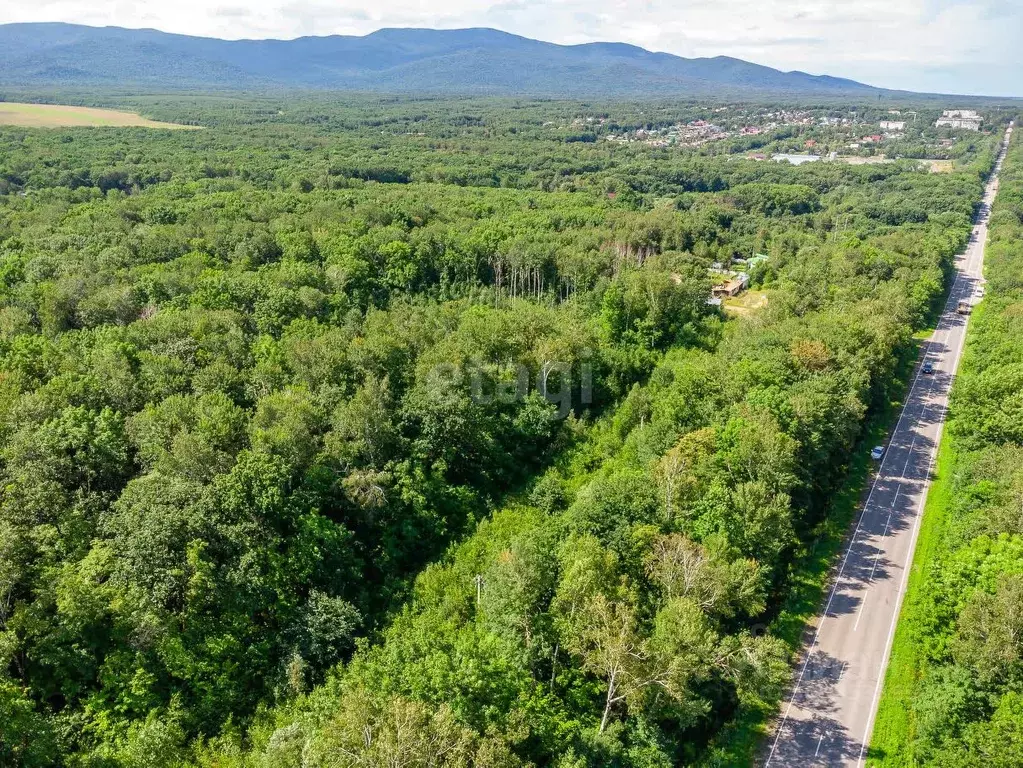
(947, 46)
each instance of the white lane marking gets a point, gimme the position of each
(880, 476)
(878, 555)
(895, 615)
(898, 490)
(819, 745)
(859, 613)
(895, 500)
(845, 559)
(919, 515)
(909, 458)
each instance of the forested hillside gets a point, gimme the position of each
(321, 446)
(416, 61)
(954, 695)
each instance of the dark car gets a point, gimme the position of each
(928, 367)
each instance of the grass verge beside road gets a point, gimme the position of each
(894, 727)
(907, 733)
(738, 745)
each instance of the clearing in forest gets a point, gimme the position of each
(745, 303)
(939, 166)
(59, 116)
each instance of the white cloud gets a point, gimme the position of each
(944, 45)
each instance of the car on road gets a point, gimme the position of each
(878, 453)
(928, 367)
(963, 308)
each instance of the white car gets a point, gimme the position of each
(878, 453)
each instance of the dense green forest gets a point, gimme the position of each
(959, 700)
(327, 446)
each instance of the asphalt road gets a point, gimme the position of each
(830, 714)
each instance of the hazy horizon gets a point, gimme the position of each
(942, 46)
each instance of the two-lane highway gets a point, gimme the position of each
(830, 714)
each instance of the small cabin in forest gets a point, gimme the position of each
(732, 287)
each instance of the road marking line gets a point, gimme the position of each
(912, 447)
(845, 559)
(946, 312)
(895, 500)
(819, 745)
(895, 617)
(859, 613)
(883, 536)
(919, 514)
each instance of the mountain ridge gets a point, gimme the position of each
(472, 61)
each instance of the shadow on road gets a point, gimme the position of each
(820, 735)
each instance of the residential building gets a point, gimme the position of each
(962, 119)
(732, 287)
(961, 123)
(795, 159)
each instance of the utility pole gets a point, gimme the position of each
(479, 589)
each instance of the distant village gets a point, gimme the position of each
(699, 132)
(803, 136)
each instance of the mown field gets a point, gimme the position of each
(60, 116)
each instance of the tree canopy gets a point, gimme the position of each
(322, 447)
